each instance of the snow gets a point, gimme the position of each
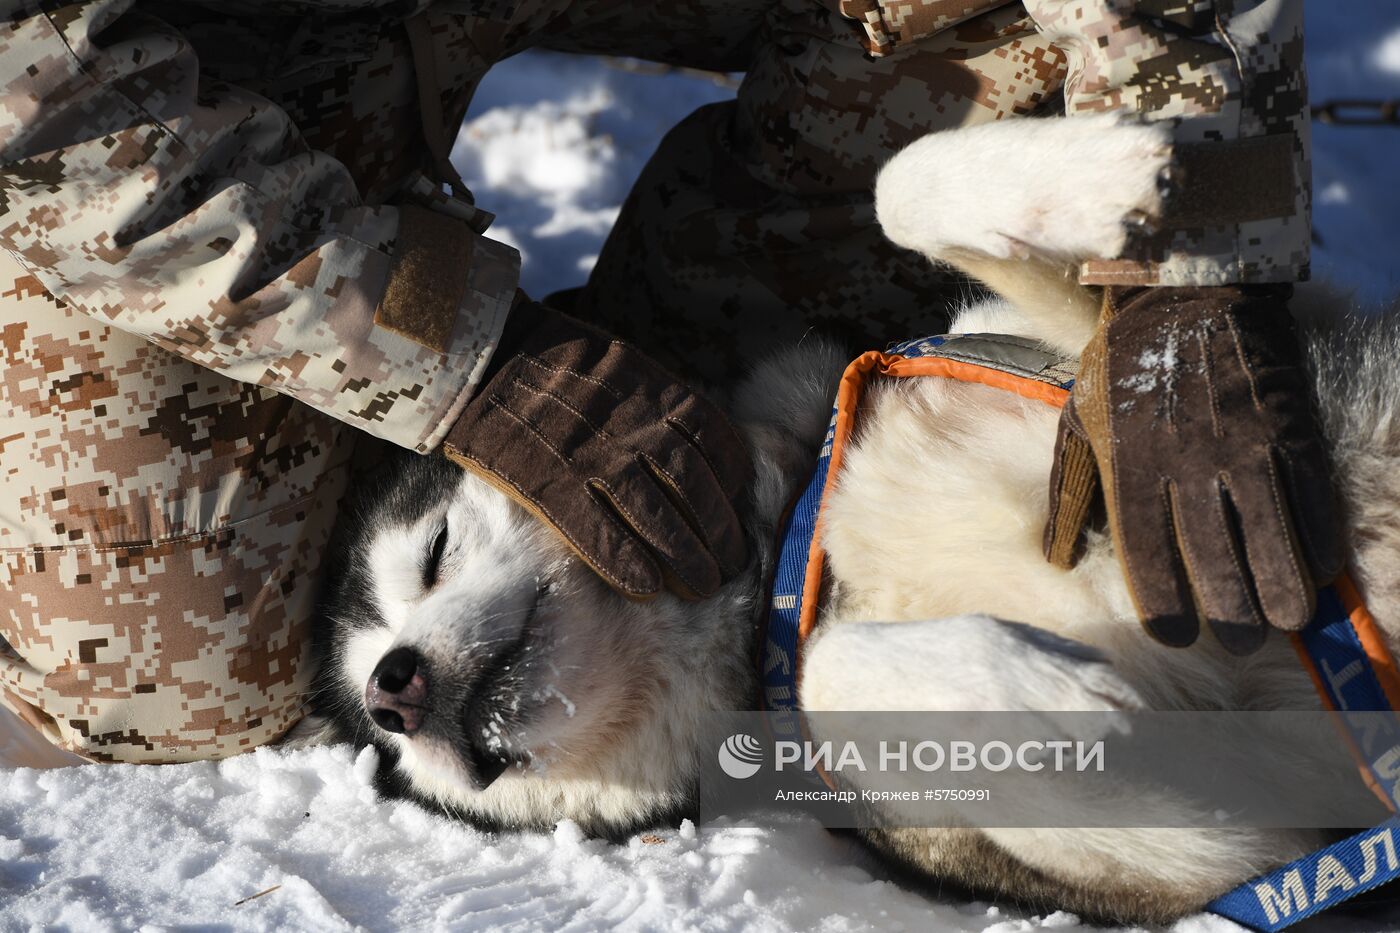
(127, 847)
(1387, 56)
(552, 148)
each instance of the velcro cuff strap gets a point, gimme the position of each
(431, 266)
(892, 23)
(1221, 184)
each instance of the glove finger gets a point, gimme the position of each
(1286, 591)
(685, 476)
(1074, 481)
(649, 512)
(1308, 474)
(1207, 535)
(710, 432)
(1144, 531)
(558, 497)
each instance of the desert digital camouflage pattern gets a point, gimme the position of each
(753, 223)
(228, 252)
(159, 527)
(1229, 75)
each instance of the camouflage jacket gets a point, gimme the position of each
(270, 216)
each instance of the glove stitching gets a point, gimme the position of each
(1301, 576)
(596, 429)
(1183, 547)
(1208, 362)
(1109, 478)
(706, 532)
(632, 521)
(1165, 492)
(683, 429)
(705, 535)
(1244, 362)
(1115, 527)
(500, 405)
(586, 377)
(1242, 567)
(1171, 399)
(1265, 602)
(592, 559)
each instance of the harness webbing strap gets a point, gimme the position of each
(779, 662)
(1353, 671)
(1315, 882)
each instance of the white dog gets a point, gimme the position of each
(536, 693)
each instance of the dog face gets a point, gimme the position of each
(499, 677)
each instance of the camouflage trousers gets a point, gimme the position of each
(160, 530)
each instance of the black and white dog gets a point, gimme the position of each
(503, 682)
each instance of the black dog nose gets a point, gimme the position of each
(396, 696)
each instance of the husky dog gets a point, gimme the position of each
(503, 682)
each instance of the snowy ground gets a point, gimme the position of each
(208, 836)
(552, 149)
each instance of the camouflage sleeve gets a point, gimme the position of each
(1230, 79)
(890, 24)
(193, 214)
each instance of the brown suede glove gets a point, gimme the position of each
(1192, 411)
(638, 472)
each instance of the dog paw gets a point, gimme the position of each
(1059, 189)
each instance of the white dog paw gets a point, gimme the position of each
(1060, 189)
(966, 663)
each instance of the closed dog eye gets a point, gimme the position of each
(434, 558)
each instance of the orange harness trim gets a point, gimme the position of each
(858, 374)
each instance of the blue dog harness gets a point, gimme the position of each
(1353, 672)
(1342, 647)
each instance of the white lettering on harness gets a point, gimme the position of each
(1339, 679)
(1331, 874)
(1368, 853)
(776, 657)
(1276, 904)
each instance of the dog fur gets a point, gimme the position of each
(598, 700)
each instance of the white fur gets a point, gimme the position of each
(942, 664)
(1016, 189)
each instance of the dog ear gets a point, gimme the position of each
(1019, 204)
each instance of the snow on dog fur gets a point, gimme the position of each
(544, 695)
